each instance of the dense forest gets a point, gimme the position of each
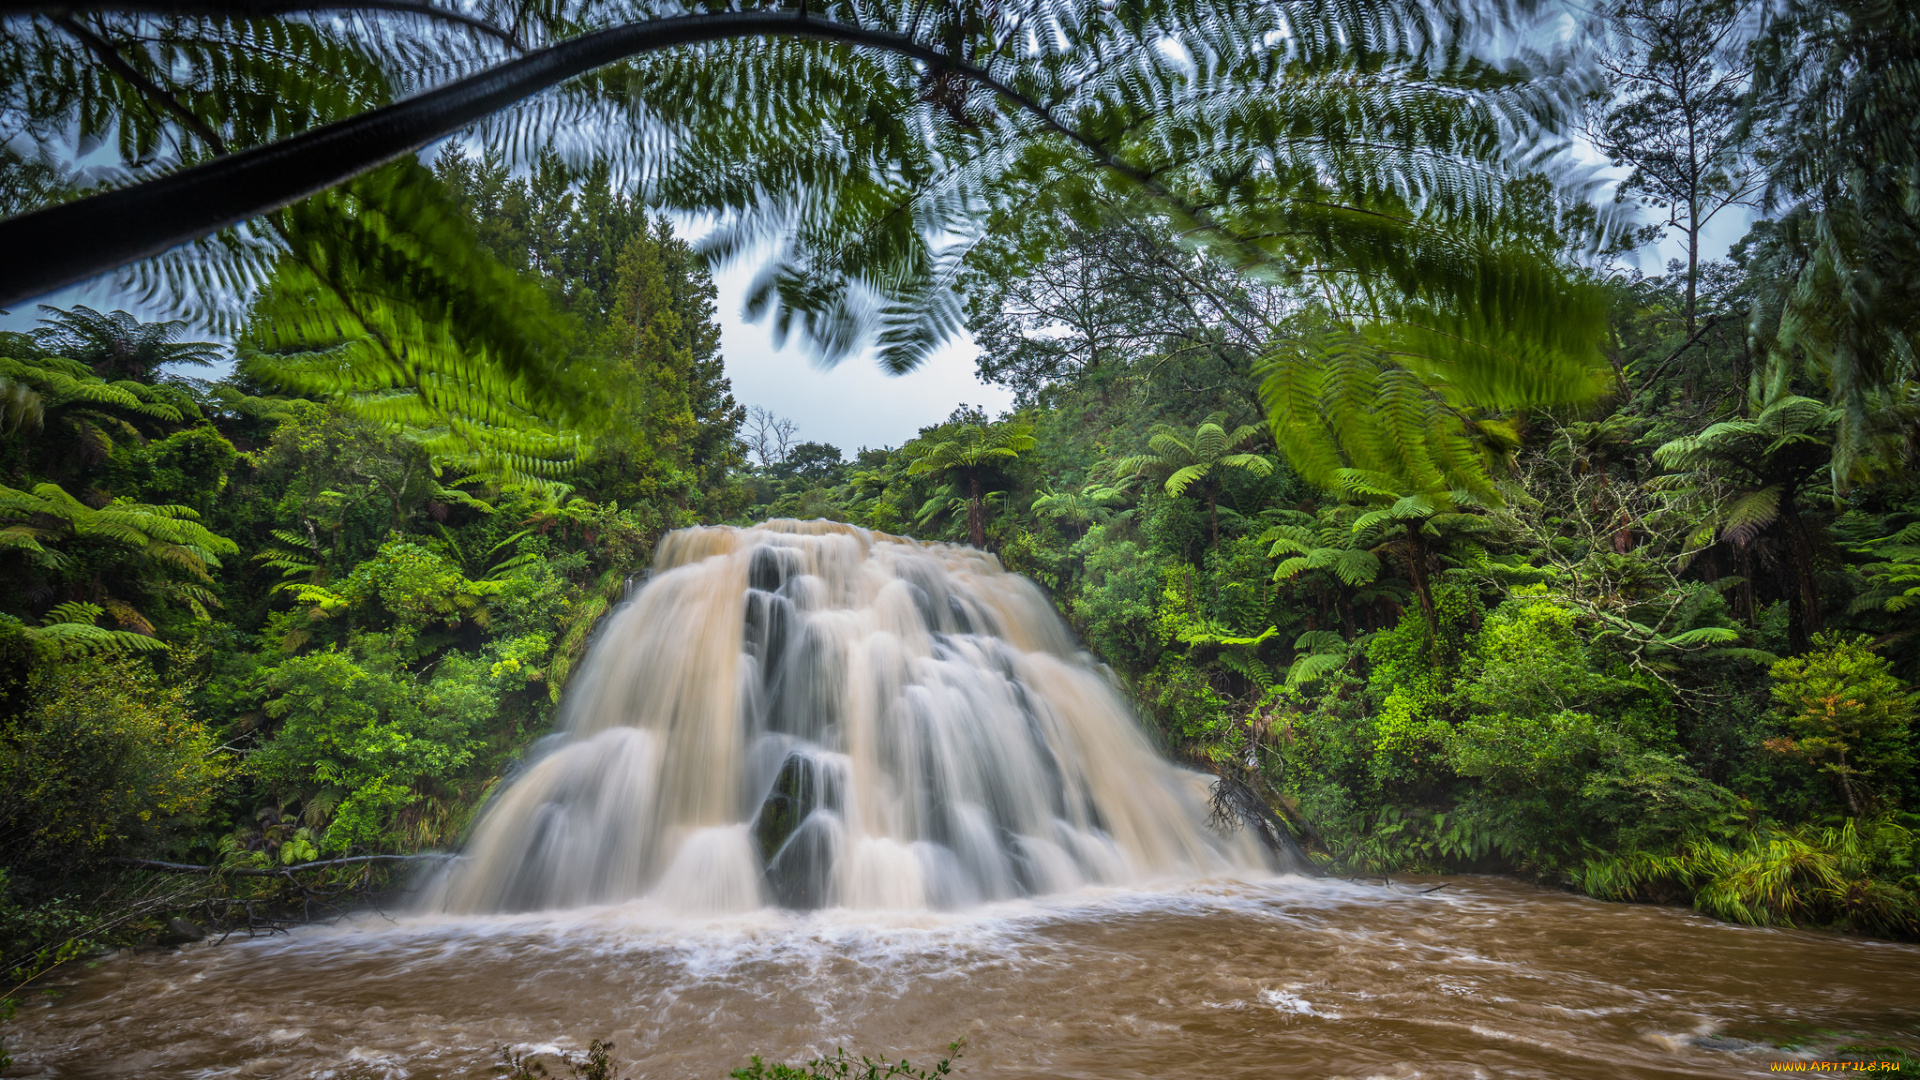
(1658, 645)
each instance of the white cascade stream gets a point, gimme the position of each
(810, 714)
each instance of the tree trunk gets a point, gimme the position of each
(1693, 270)
(1417, 571)
(1803, 613)
(1213, 515)
(1846, 785)
(976, 514)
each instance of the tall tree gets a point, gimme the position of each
(1834, 102)
(676, 426)
(973, 456)
(1365, 143)
(1672, 112)
(1198, 461)
(1105, 299)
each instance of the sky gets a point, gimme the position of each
(855, 403)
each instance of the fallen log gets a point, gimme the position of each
(255, 871)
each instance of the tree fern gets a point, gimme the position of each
(36, 522)
(1834, 89)
(968, 457)
(1354, 421)
(1362, 145)
(118, 344)
(1202, 458)
(72, 629)
(387, 303)
(1744, 479)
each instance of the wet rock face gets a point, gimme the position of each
(181, 932)
(812, 715)
(795, 832)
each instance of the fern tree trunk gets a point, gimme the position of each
(976, 513)
(1417, 573)
(1803, 607)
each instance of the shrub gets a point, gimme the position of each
(106, 755)
(361, 737)
(842, 1067)
(1857, 876)
(1849, 717)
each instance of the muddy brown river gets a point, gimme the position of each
(1258, 977)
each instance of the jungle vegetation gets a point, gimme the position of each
(1345, 435)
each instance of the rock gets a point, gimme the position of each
(181, 931)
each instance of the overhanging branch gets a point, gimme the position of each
(276, 871)
(82, 239)
(249, 9)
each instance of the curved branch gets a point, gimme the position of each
(155, 94)
(251, 9)
(87, 237)
(82, 239)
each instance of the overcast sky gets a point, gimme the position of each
(854, 404)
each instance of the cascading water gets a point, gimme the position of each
(811, 714)
(808, 714)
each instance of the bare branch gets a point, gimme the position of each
(251, 871)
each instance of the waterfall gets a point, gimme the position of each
(811, 714)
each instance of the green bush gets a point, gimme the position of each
(1857, 876)
(1849, 717)
(360, 740)
(105, 758)
(841, 1067)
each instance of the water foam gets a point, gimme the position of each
(809, 715)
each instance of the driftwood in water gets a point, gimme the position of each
(288, 901)
(1235, 802)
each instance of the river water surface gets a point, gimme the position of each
(1256, 977)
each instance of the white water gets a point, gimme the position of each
(813, 715)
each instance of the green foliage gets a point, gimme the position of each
(841, 1067)
(120, 346)
(387, 303)
(1501, 602)
(76, 417)
(972, 457)
(357, 742)
(1185, 461)
(1844, 169)
(1859, 876)
(1849, 716)
(1115, 606)
(41, 520)
(1352, 418)
(71, 630)
(105, 758)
